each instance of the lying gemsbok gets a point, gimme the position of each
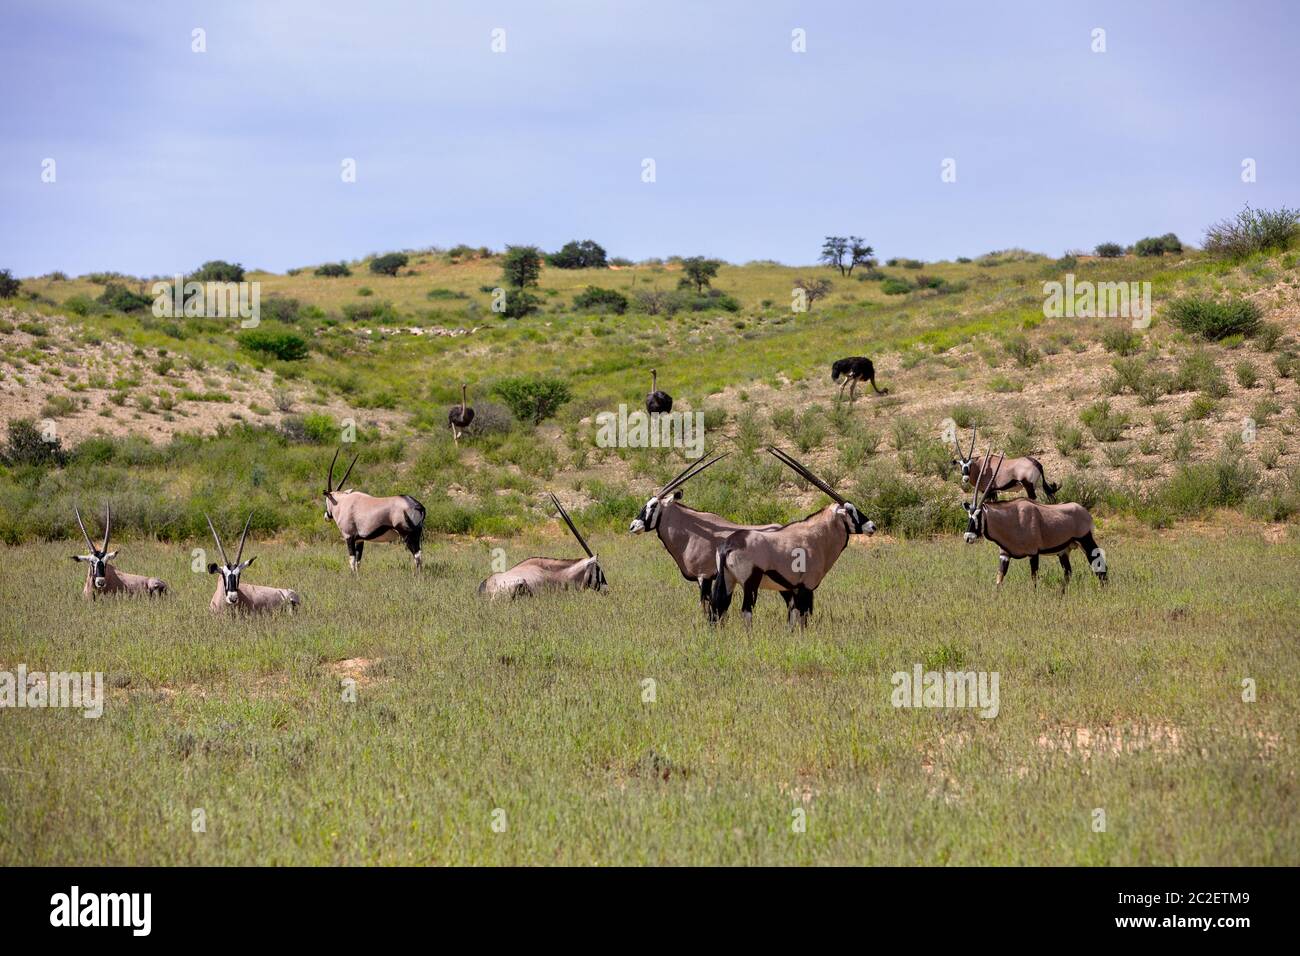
(1025, 472)
(102, 577)
(534, 575)
(361, 517)
(233, 597)
(691, 537)
(1026, 529)
(792, 559)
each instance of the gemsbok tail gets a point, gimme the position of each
(1048, 487)
(720, 597)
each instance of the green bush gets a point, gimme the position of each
(9, 286)
(1158, 245)
(1106, 424)
(27, 445)
(284, 345)
(121, 299)
(1214, 320)
(1109, 250)
(389, 264)
(579, 255)
(1252, 231)
(594, 299)
(892, 286)
(218, 270)
(333, 270)
(532, 399)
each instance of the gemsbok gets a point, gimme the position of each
(535, 575)
(1026, 472)
(690, 537)
(1026, 529)
(104, 579)
(361, 517)
(657, 401)
(792, 559)
(232, 597)
(857, 368)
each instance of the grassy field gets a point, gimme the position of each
(1127, 699)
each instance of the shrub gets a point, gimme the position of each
(532, 399)
(333, 270)
(369, 311)
(443, 294)
(1121, 340)
(579, 255)
(1247, 374)
(1214, 320)
(1018, 348)
(280, 308)
(1253, 230)
(1269, 336)
(1105, 424)
(121, 299)
(1158, 245)
(490, 419)
(9, 286)
(892, 286)
(218, 270)
(1109, 250)
(1197, 372)
(594, 299)
(27, 445)
(520, 303)
(79, 304)
(1196, 488)
(388, 264)
(284, 345)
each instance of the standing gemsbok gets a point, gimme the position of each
(1026, 529)
(792, 559)
(690, 537)
(233, 597)
(361, 517)
(534, 575)
(1026, 472)
(104, 579)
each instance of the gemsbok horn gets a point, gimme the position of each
(690, 537)
(534, 575)
(792, 559)
(1027, 529)
(1026, 472)
(361, 517)
(104, 579)
(233, 597)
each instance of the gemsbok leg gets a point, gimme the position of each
(413, 545)
(1064, 557)
(1033, 569)
(1096, 557)
(1004, 561)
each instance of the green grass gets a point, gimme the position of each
(535, 708)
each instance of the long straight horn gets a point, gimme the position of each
(979, 476)
(108, 521)
(216, 537)
(804, 473)
(343, 481)
(971, 451)
(82, 526)
(242, 538)
(329, 478)
(569, 521)
(690, 472)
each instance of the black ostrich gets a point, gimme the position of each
(854, 370)
(460, 416)
(657, 401)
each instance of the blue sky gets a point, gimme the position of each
(166, 158)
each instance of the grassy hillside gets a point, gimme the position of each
(1147, 423)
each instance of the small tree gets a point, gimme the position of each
(333, 270)
(387, 265)
(814, 289)
(860, 254)
(520, 303)
(217, 270)
(699, 272)
(9, 286)
(532, 399)
(1109, 250)
(521, 266)
(586, 254)
(28, 446)
(834, 249)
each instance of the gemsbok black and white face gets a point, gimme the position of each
(857, 523)
(975, 507)
(331, 489)
(965, 459)
(647, 518)
(97, 558)
(230, 570)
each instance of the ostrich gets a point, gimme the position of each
(460, 416)
(657, 401)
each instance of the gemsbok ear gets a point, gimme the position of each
(677, 495)
(248, 562)
(110, 556)
(79, 557)
(212, 569)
